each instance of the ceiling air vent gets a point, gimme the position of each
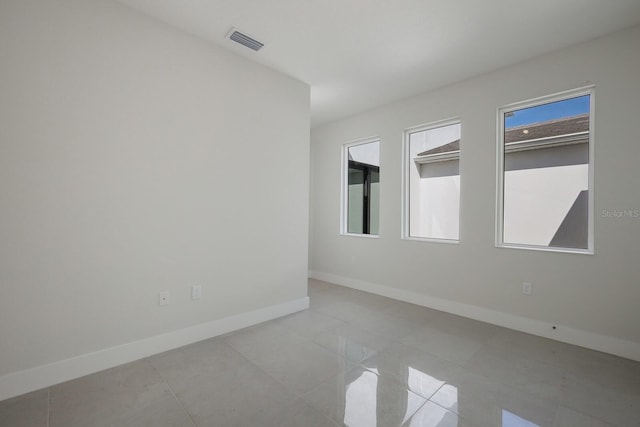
(245, 40)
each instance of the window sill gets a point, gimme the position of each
(545, 249)
(432, 240)
(366, 236)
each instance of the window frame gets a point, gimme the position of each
(500, 151)
(344, 182)
(406, 196)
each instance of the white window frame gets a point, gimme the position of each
(344, 194)
(406, 197)
(560, 96)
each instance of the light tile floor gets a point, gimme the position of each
(352, 359)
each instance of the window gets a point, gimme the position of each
(432, 182)
(545, 175)
(361, 188)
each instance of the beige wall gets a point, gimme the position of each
(594, 296)
(128, 154)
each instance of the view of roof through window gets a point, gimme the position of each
(552, 111)
(562, 126)
(436, 140)
(368, 154)
(546, 174)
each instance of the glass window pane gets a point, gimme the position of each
(374, 203)
(363, 188)
(356, 200)
(546, 174)
(434, 183)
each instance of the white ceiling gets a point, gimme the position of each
(358, 54)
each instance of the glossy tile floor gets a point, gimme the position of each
(353, 359)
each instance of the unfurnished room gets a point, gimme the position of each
(287, 213)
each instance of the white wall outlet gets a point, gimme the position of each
(527, 288)
(163, 298)
(196, 292)
(353, 260)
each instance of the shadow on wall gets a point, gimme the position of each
(573, 230)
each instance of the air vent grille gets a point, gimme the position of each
(245, 40)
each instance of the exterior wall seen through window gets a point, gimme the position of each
(432, 190)
(545, 151)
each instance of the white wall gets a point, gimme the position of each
(128, 159)
(537, 200)
(593, 299)
(437, 205)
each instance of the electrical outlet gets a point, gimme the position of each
(353, 260)
(196, 292)
(527, 288)
(163, 298)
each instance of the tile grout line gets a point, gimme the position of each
(446, 409)
(350, 323)
(394, 341)
(255, 365)
(174, 394)
(297, 395)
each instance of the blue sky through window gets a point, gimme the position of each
(551, 111)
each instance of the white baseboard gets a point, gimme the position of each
(21, 382)
(603, 343)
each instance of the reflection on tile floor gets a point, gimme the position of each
(353, 359)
